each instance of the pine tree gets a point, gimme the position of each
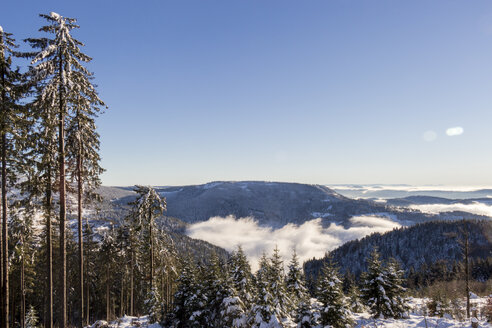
(63, 79)
(23, 239)
(188, 300)
(334, 310)
(395, 290)
(83, 149)
(146, 208)
(307, 316)
(375, 286)
(233, 312)
(153, 305)
(31, 318)
(268, 309)
(354, 301)
(242, 278)
(295, 283)
(276, 280)
(10, 92)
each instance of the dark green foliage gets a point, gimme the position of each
(382, 288)
(295, 284)
(334, 310)
(418, 247)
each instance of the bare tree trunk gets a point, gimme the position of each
(107, 294)
(81, 242)
(151, 250)
(467, 274)
(131, 282)
(87, 305)
(121, 297)
(63, 210)
(5, 289)
(4, 237)
(22, 285)
(49, 252)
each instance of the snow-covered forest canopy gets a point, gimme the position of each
(59, 270)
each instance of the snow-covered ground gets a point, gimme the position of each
(364, 320)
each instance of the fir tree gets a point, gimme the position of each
(188, 299)
(31, 318)
(334, 310)
(241, 276)
(64, 82)
(354, 300)
(10, 123)
(295, 283)
(276, 280)
(269, 309)
(307, 316)
(153, 305)
(395, 290)
(233, 312)
(375, 286)
(146, 208)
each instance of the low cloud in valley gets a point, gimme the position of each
(309, 239)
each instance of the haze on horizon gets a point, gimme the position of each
(320, 92)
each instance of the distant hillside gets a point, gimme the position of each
(421, 244)
(273, 204)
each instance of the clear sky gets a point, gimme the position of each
(306, 91)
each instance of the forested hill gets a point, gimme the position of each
(416, 246)
(273, 204)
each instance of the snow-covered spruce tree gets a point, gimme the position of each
(307, 316)
(395, 290)
(214, 288)
(242, 278)
(269, 309)
(375, 285)
(10, 123)
(83, 156)
(62, 77)
(295, 284)
(354, 300)
(31, 320)
(146, 208)
(276, 280)
(153, 305)
(233, 312)
(189, 300)
(334, 311)
(262, 308)
(23, 238)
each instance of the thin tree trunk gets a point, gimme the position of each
(63, 214)
(5, 290)
(81, 243)
(107, 294)
(121, 297)
(131, 283)
(23, 287)
(3, 234)
(87, 304)
(467, 274)
(151, 250)
(49, 251)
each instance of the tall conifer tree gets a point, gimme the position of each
(65, 85)
(10, 123)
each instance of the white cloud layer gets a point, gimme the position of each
(455, 131)
(474, 208)
(309, 239)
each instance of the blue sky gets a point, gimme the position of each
(306, 91)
